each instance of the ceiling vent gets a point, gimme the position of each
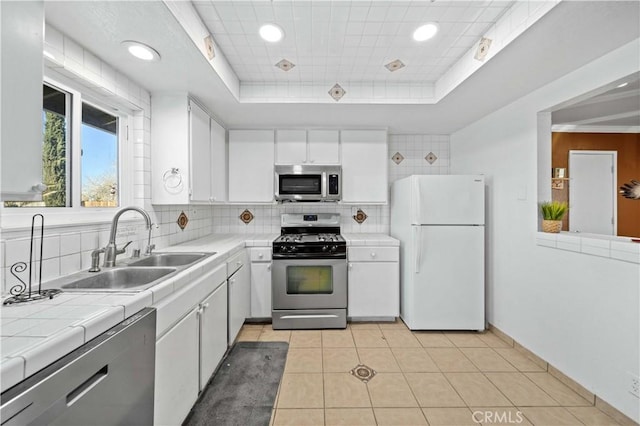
(483, 48)
(395, 65)
(285, 65)
(208, 47)
(337, 92)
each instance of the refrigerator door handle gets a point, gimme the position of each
(417, 245)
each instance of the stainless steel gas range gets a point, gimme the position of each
(309, 274)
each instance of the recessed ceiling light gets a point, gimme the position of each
(271, 32)
(141, 50)
(622, 85)
(425, 32)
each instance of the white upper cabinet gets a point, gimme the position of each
(251, 160)
(324, 146)
(312, 147)
(218, 163)
(200, 153)
(364, 166)
(291, 146)
(22, 25)
(188, 153)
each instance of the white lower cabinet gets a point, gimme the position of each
(176, 382)
(260, 282)
(374, 282)
(239, 293)
(191, 330)
(213, 333)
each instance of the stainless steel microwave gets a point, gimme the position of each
(308, 182)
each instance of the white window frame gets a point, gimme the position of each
(15, 219)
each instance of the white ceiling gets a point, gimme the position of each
(341, 41)
(553, 46)
(605, 107)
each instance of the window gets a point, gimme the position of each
(99, 138)
(81, 151)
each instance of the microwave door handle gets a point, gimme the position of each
(324, 185)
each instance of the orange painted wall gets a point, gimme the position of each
(628, 147)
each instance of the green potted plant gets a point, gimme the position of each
(552, 214)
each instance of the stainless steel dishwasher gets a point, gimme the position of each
(107, 381)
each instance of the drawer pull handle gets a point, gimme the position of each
(87, 385)
(373, 254)
(260, 255)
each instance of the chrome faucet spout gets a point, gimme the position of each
(111, 250)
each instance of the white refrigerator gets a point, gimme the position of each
(439, 220)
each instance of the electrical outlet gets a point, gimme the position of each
(634, 387)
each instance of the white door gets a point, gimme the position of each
(364, 166)
(324, 146)
(592, 192)
(200, 151)
(176, 388)
(213, 332)
(448, 200)
(251, 158)
(239, 300)
(261, 289)
(373, 289)
(448, 285)
(218, 163)
(291, 146)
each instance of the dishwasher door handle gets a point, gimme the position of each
(87, 385)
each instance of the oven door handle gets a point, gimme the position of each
(311, 316)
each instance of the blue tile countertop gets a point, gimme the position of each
(35, 334)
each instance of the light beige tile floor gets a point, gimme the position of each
(421, 378)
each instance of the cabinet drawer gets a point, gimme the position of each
(373, 254)
(236, 262)
(262, 254)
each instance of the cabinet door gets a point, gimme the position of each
(374, 289)
(239, 300)
(260, 289)
(213, 332)
(218, 163)
(200, 151)
(176, 381)
(291, 146)
(170, 149)
(21, 86)
(324, 146)
(364, 166)
(251, 158)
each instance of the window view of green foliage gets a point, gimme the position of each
(54, 161)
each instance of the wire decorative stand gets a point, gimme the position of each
(22, 292)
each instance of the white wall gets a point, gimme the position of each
(578, 312)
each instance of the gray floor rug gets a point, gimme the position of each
(243, 390)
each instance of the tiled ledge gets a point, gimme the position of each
(617, 248)
(594, 399)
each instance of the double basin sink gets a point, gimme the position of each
(136, 275)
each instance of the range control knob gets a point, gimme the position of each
(334, 249)
(325, 248)
(293, 249)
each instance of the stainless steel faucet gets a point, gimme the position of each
(111, 251)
